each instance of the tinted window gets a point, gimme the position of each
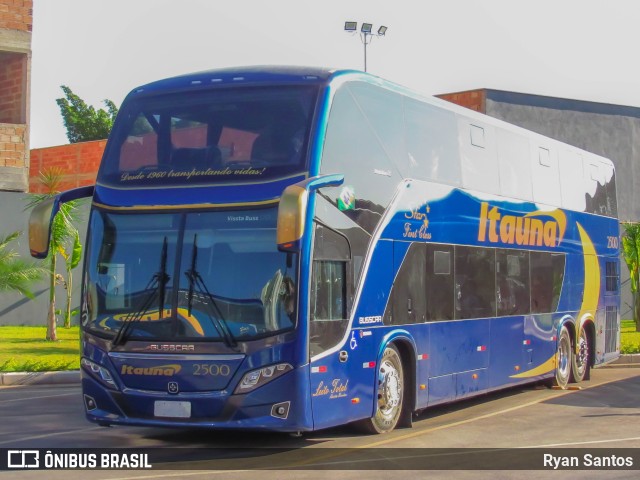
(547, 274)
(612, 276)
(439, 282)
(409, 302)
(229, 275)
(210, 137)
(354, 148)
(432, 143)
(475, 282)
(512, 289)
(329, 289)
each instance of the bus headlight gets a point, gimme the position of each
(257, 378)
(98, 372)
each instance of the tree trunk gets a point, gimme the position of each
(636, 310)
(67, 313)
(51, 315)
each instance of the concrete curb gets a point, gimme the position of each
(626, 361)
(40, 378)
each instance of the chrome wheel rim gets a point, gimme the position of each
(564, 357)
(389, 389)
(582, 354)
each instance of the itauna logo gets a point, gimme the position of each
(533, 229)
(160, 370)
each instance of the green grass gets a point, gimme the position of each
(24, 349)
(629, 337)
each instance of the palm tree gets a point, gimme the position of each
(63, 233)
(71, 260)
(16, 274)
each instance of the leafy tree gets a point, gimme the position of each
(631, 250)
(16, 274)
(63, 239)
(82, 121)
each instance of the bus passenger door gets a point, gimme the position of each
(343, 366)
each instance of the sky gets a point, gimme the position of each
(102, 49)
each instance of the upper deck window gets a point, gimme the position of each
(221, 135)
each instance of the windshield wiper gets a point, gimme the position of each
(196, 280)
(158, 285)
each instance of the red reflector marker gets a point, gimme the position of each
(423, 356)
(527, 342)
(321, 369)
(481, 348)
(369, 365)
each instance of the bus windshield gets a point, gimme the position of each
(215, 276)
(215, 136)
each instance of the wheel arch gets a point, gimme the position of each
(588, 323)
(404, 342)
(569, 322)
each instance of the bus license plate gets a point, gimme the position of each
(172, 409)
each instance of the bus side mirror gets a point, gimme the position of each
(40, 222)
(292, 210)
(42, 216)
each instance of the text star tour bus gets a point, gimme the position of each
(292, 249)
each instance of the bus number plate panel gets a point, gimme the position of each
(172, 409)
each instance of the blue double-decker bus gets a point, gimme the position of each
(292, 249)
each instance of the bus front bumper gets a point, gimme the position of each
(280, 405)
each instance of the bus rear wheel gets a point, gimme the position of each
(390, 394)
(564, 359)
(580, 363)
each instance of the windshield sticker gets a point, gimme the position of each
(209, 172)
(347, 199)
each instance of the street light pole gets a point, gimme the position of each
(366, 35)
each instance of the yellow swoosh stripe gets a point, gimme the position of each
(591, 292)
(546, 367)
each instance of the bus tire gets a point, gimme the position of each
(390, 394)
(564, 359)
(580, 358)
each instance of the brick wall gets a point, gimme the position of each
(12, 141)
(16, 22)
(16, 15)
(13, 71)
(78, 163)
(472, 99)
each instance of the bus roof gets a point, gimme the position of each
(250, 75)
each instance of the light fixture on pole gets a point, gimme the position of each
(366, 34)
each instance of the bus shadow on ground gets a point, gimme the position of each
(618, 394)
(203, 438)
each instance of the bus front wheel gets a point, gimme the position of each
(564, 359)
(390, 393)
